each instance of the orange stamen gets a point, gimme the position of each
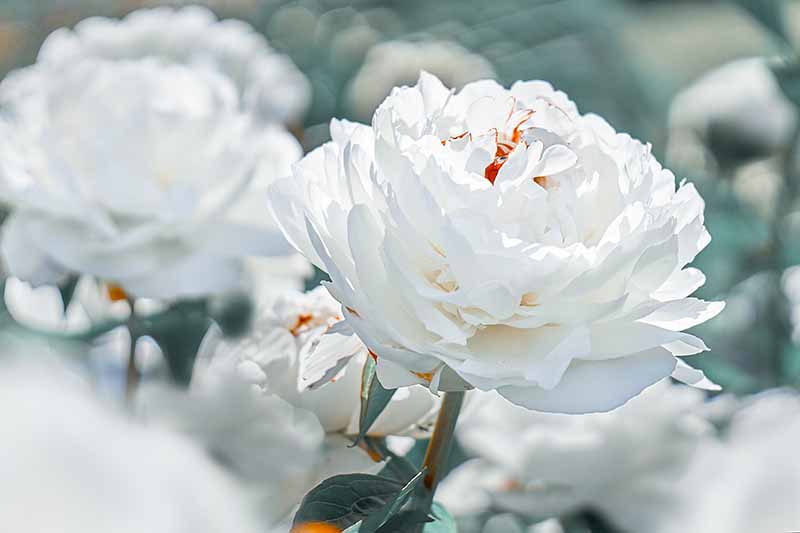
(315, 527)
(116, 293)
(302, 320)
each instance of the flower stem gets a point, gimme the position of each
(133, 375)
(438, 452)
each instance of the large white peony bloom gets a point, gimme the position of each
(267, 82)
(73, 465)
(498, 239)
(138, 173)
(288, 354)
(626, 464)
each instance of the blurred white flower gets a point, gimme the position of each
(395, 63)
(498, 239)
(288, 353)
(42, 308)
(267, 82)
(268, 277)
(750, 480)
(73, 465)
(276, 449)
(138, 173)
(625, 464)
(736, 112)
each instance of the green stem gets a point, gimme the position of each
(438, 452)
(133, 376)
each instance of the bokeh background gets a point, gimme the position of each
(624, 59)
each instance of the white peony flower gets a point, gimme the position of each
(267, 82)
(394, 63)
(625, 464)
(750, 480)
(73, 465)
(288, 354)
(138, 173)
(498, 239)
(736, 111)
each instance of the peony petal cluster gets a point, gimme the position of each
(268, 83)
(301, 350)
(497, 238)
(139, 173)
(626, 464)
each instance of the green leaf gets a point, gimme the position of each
(67, 289)
(377, 520)
(178, 332)
(374, 398)
(443, 521)
(769, 13)
(233, 313)
(344, 500)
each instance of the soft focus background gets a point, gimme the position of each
(647, 66)
(625, 60)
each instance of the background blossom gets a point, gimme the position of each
(128, 206)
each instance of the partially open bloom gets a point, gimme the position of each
(267, 82)
(288, 354)
(626, 464)
(138, 173)
(498, 239)
(43, 307)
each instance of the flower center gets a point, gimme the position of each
(506, 139)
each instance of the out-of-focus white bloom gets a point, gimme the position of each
(138, 173)
(276, 449)
(395, 63)
(267, 82)
(625, 464)
(288, 353)
(73, 465)
(737, 111)
(750, 480)
(42, 307)
(498, 239)
(269, 277)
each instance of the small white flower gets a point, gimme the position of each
(267, 82)
(395, 63)
(42, 307)
(738, 109)
(74, 465)
(498, 239)
(625, 464)
(288, 354)
(138, 173)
